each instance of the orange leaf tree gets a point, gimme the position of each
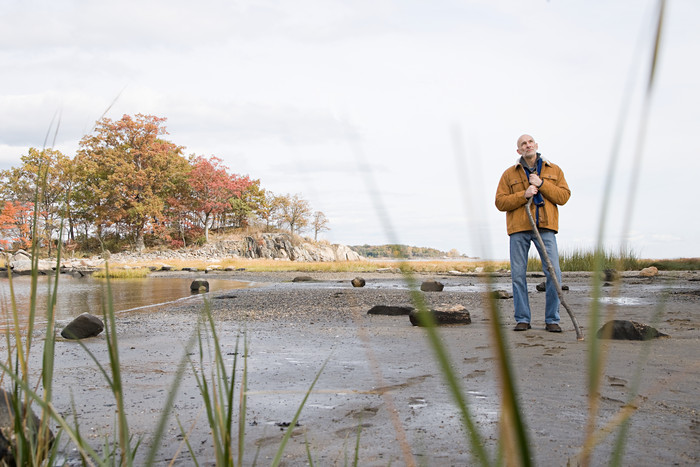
(212, 188)
(125, 173)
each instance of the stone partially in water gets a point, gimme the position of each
(199, 285)
(82, 327)
(619, 329)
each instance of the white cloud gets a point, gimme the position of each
(288, 91)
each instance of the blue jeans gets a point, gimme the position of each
(519, 249)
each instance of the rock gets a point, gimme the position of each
(542, 287)
(501, 294)
(199, 285)
(564, 287)
(82, 327)
(432, 286)
(8, 435)
(358, 282)
(610, 275)
(619, 329)
(457, 314)
(303, 279)
(651, 271)
(389, 310)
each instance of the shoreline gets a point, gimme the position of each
(380, 370)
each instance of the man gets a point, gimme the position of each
(537, 178)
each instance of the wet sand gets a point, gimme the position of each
(381, 376)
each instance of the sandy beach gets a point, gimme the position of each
(381, 376)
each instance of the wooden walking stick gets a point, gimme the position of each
(552, 273)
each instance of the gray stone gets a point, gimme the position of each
(303, 279)
(390, 310)
(619, 329)
(541, 287)
(199, 285)
(501, 294)
(82, 327)
(358, 282)
(432, 286)
(457, 314)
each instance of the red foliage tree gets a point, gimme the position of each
(15, 225)
(212, 189)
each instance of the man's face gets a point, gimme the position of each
(527, 146)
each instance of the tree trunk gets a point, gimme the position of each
(140, 245)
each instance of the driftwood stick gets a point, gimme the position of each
(552, 272)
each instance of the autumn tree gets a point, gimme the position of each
(43, 180)
(295, 212)
(126, 172)
(319, 222)
(269, 209)
(15, 221)
(212, 189)
(250, 202)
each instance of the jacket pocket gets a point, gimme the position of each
(516, 185)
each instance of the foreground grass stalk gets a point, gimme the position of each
(475, 438)
(217, 393)
(290, 429)
(127, 454)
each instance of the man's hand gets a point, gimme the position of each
(535, 180)
(531, 191)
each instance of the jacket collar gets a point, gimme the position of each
(544, 161)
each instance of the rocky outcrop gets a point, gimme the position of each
(279, 246)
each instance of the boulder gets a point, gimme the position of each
(651, 271)
(199, 285)
(8, 436)
(619, 329)
(358, 282)
(390, 310)
(456, 314)
(610, 275)
(82, 327)
(303, 279)
(432, 286)
(501, 294)
(542, 287)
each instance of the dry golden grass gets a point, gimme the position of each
(269, 265)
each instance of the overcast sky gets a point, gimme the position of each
(395, 118)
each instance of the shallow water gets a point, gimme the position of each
(88, 294)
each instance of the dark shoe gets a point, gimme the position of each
(522, 327)
(552, 327)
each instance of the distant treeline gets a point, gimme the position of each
(401, 251)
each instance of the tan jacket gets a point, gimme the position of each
(510, 197)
